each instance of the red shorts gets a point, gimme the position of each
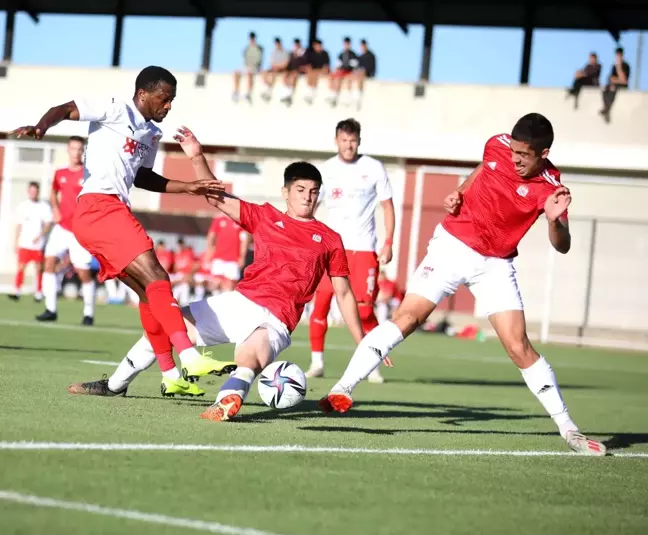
(363, 276)
(339, 73)
(107, 229)
(25, 256)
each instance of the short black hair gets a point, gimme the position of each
(181, 241)
(76, 138)
(363, 41)
(297, 41)
(34, 185)
(535, 130)
(619, 50)
(278, 40)
(594, 54)
(317, 41)
(151, 77)
(252, 35)
(348, 126)
(160, 242)
(301, 171)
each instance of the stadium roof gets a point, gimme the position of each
(611, 15)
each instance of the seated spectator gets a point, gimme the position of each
(317, 64)
(252, 58)
(619, 77)
(589, 76)
(296, 65)
(366, 69)
(278, 64)
(347, 61)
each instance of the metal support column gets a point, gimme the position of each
(528, 43)
(119, 29)
(205, 64)
(424, 79)
(588, 284)
(313, 20)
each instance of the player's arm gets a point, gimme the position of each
(245, 245)
(17, 236)
(348, 306)
(389, 216)
(149, 180)
(226, 203)
(211, 242)
(453, 201)
(52, 117)
(556, 211)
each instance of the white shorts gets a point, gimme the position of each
(231, 318)
(228, 270)
(449, 263)
(200, 278)
(62, 241)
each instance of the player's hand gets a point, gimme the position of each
(386, 254)
(214, 200)
(204, 187)
(557, 203)
(452, 202)
(37, 132)
(388, 362)
(189, 143)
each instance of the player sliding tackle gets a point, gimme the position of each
(475, 245)
(292, 251)
(122, 145)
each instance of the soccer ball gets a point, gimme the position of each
(282, 385)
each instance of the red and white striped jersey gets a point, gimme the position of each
(500, 206)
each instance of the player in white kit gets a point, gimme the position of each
(353, 185)
(33, 222)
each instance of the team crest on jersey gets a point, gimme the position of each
(317, 238)
(523, 190)
(336, 193)
(280, 224)
(492, 165)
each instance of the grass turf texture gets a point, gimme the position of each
(442, 394)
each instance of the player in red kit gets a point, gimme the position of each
(122, 145)
(292, 252)
(66, 187)
(203, 277)
(165, 256)
(184, 265)
(475, 245)
(228, 244)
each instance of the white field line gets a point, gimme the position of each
(101, 362)
(200, 525)
(80, 446)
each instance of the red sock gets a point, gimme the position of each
(39, 282)
(158, 338)
(367, 318)
(318, 324)
(20, 278)
(167, 311)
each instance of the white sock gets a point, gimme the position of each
(317, 359)
(88, 292)
(199, 293)
(50, 290)
(541, 380)
(173, 373)
(238, 382)
(369, 354)
(139, 358)
(189, 355)
(382, 312)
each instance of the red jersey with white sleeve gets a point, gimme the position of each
(500, 206)
(184, 261)
(120, 141)
(290, 258)
(228, 238)
(351, 192)
(67, 185)
(166, 257)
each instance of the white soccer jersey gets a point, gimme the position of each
(350, 192)
(32, 216)
(120, 141)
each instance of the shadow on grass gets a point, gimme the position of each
(55, 349)
(483, 382)
(620, 441)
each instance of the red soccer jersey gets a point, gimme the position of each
(166, 259)
(290, 258)
(228, 238)
(68, 185)
(390, 289)
(184, 261)
(500, 206)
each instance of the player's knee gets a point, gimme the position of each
(521, 352)
(50, 264)
(407, 320)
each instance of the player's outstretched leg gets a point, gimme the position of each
(510, 327)
(251, 357)
(318, 325)
(369, 323)
(373, 349)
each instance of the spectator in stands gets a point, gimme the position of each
(347, 62)
(296, 65)
(589, 76)
(278, 64)
(252, 58)
(318, 64)
(619, 78)
(366, 69)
